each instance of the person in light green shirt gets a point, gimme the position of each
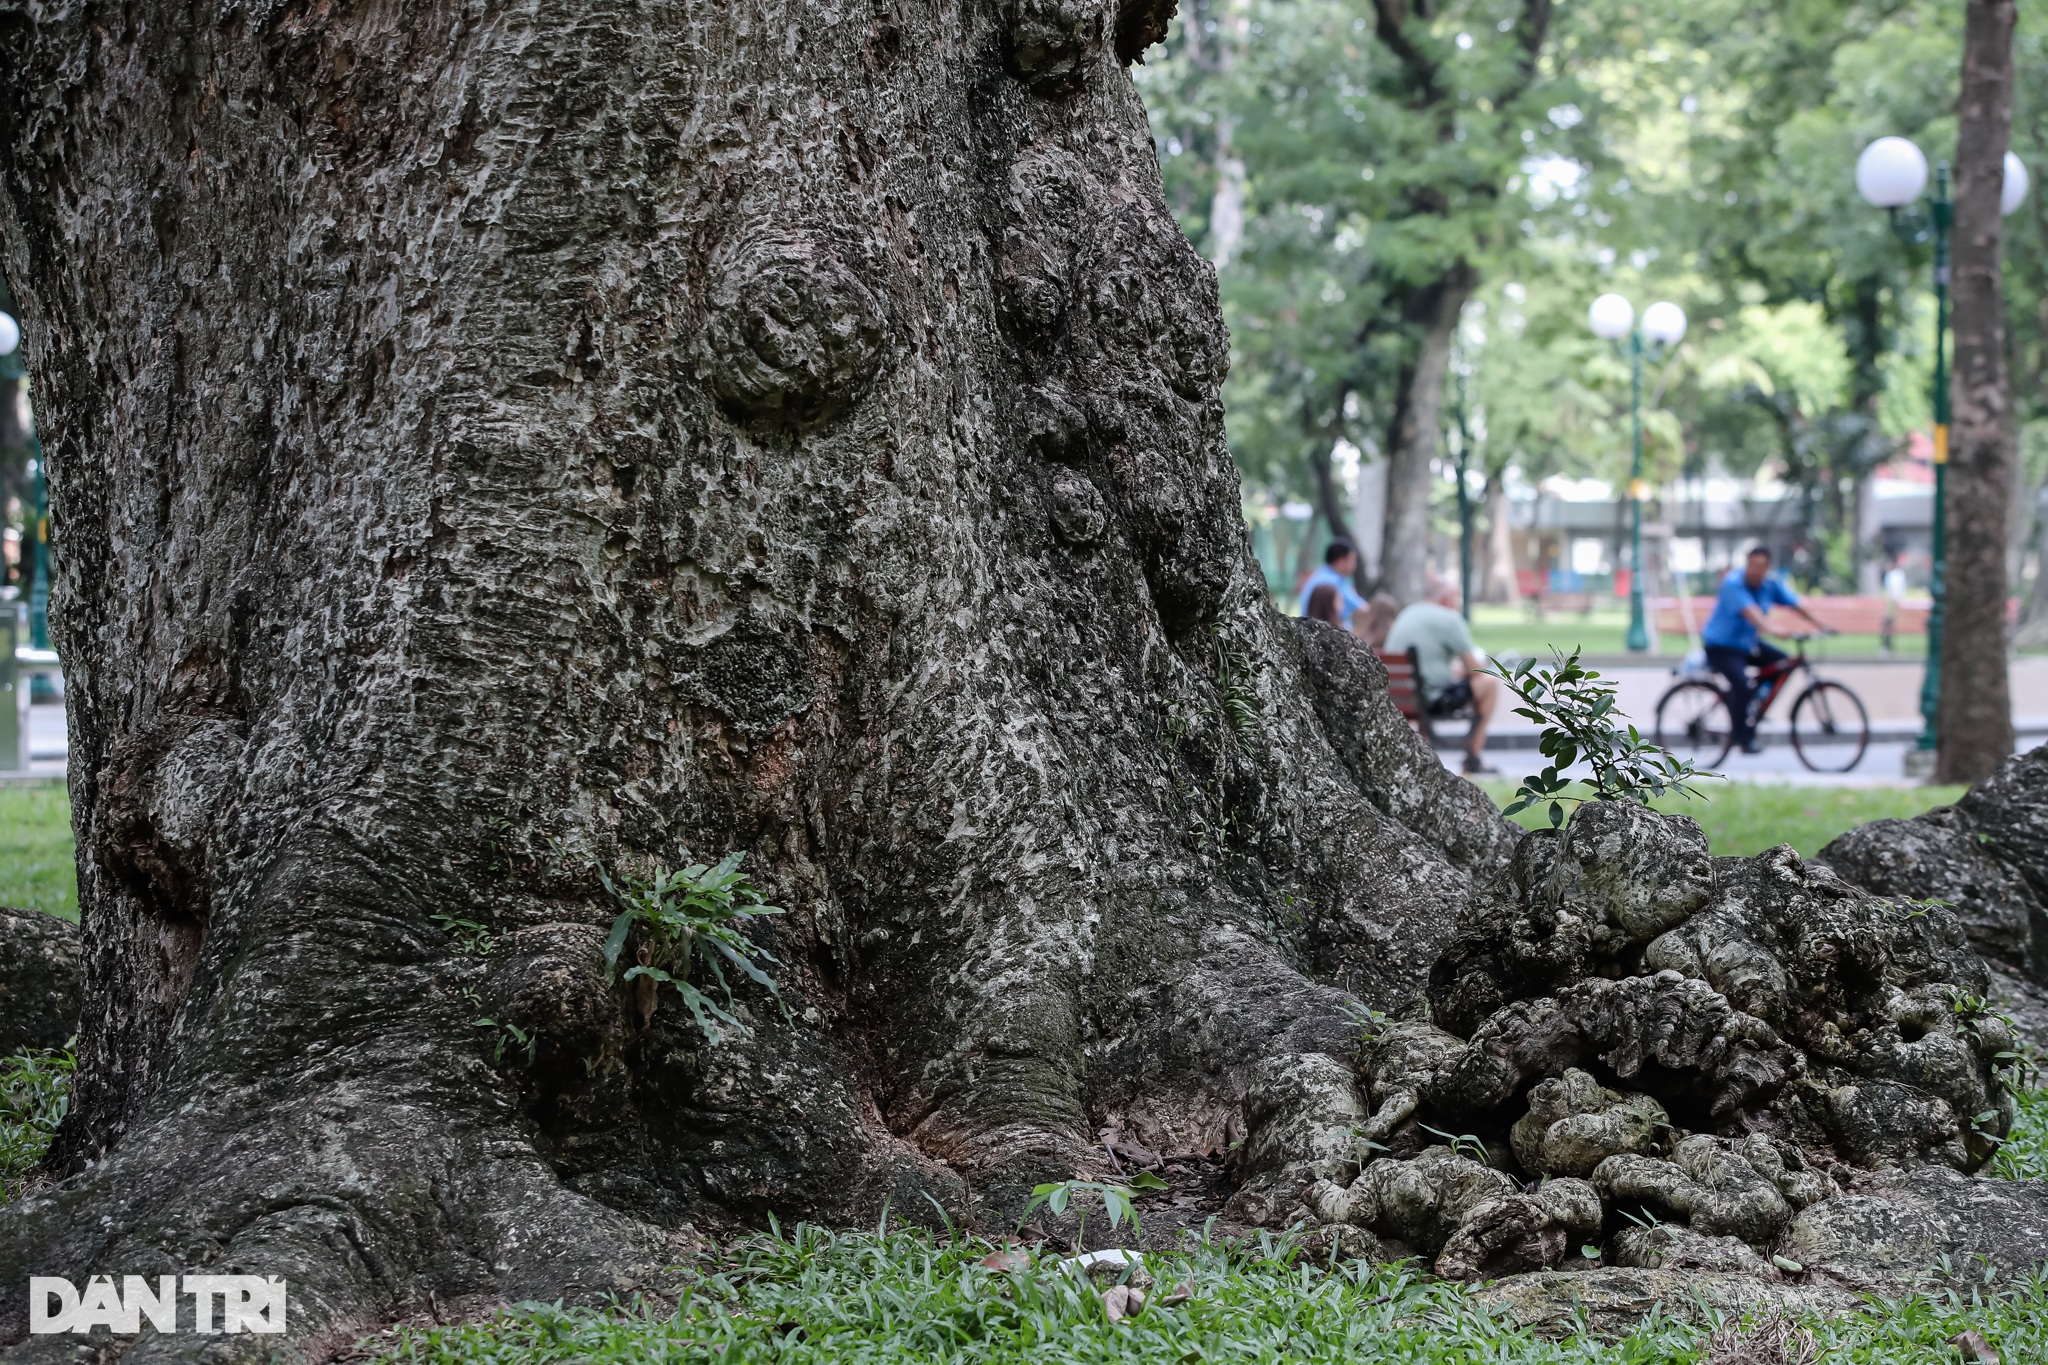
(1449, 662)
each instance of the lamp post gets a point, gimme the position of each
(1613, 317)
(1891, 174)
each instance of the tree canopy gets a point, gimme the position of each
(1701, 153)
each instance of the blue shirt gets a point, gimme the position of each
(1728, 628)
(1348, 599)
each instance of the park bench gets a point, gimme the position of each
(1404, 689)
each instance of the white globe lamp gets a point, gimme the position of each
(1891, 173)
(1664, 324)
(2013, 192)
(1611, 317)
(10, 334)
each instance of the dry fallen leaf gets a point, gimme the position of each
(1008, 1260)
(1182, 1292)
(1973, 1346)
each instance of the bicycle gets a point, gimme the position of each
(1829, 722)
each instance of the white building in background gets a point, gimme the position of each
(1571, 535)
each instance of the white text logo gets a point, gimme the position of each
(246, 1303)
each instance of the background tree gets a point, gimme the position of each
(1975, 719)
(1381, 147)
(499, 455)
(1702, 153)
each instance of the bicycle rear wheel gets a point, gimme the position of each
(1693, 723)
(1830, 729)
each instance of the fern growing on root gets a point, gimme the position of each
(689, 925)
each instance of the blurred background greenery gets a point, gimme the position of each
(36, 871)
(1347, 175)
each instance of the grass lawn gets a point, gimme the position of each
(1742, 818)
(820, 1296)
(1739, 817)
(36, 871)
(1510, 631)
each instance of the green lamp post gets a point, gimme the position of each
(1891, 174)
(1613, 317)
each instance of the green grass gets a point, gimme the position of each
(36, 869)
(1511, 631)
(1742, 818)
(2024, 1156)
(874, 1299)
(35, 1093)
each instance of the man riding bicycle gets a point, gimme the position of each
(1746, 598)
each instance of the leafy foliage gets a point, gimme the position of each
(1699, 152)
(507, 1033)
(2024, 1154)
(813, 1296)
(1576, 710)
(468, 936)
(689, 921)
(1461, 1144)
(1118, 1201)
(1239, 701)
(35, 1094)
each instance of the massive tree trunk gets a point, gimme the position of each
(1429, 301)
(1498, 582)
(1332, 503)
(1975, 721)
(1415, 431)
(496, 443)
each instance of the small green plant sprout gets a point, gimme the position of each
(1371, 1022)
(469, 937)
(1576, 709)
(1240, 702)
(685, 921)
(508, 1033)
(1974, 1014)
(2016, 1071)
(1461, 1144)
(1118, 1201)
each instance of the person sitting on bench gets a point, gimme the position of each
(1449, 662)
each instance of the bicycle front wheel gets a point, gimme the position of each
(1830, 729)
(1693, 723)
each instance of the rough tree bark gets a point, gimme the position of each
(496, 442)
(1975, 721)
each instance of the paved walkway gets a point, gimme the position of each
(47, 741)
(1890, 692)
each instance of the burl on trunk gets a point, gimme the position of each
(496, 445)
